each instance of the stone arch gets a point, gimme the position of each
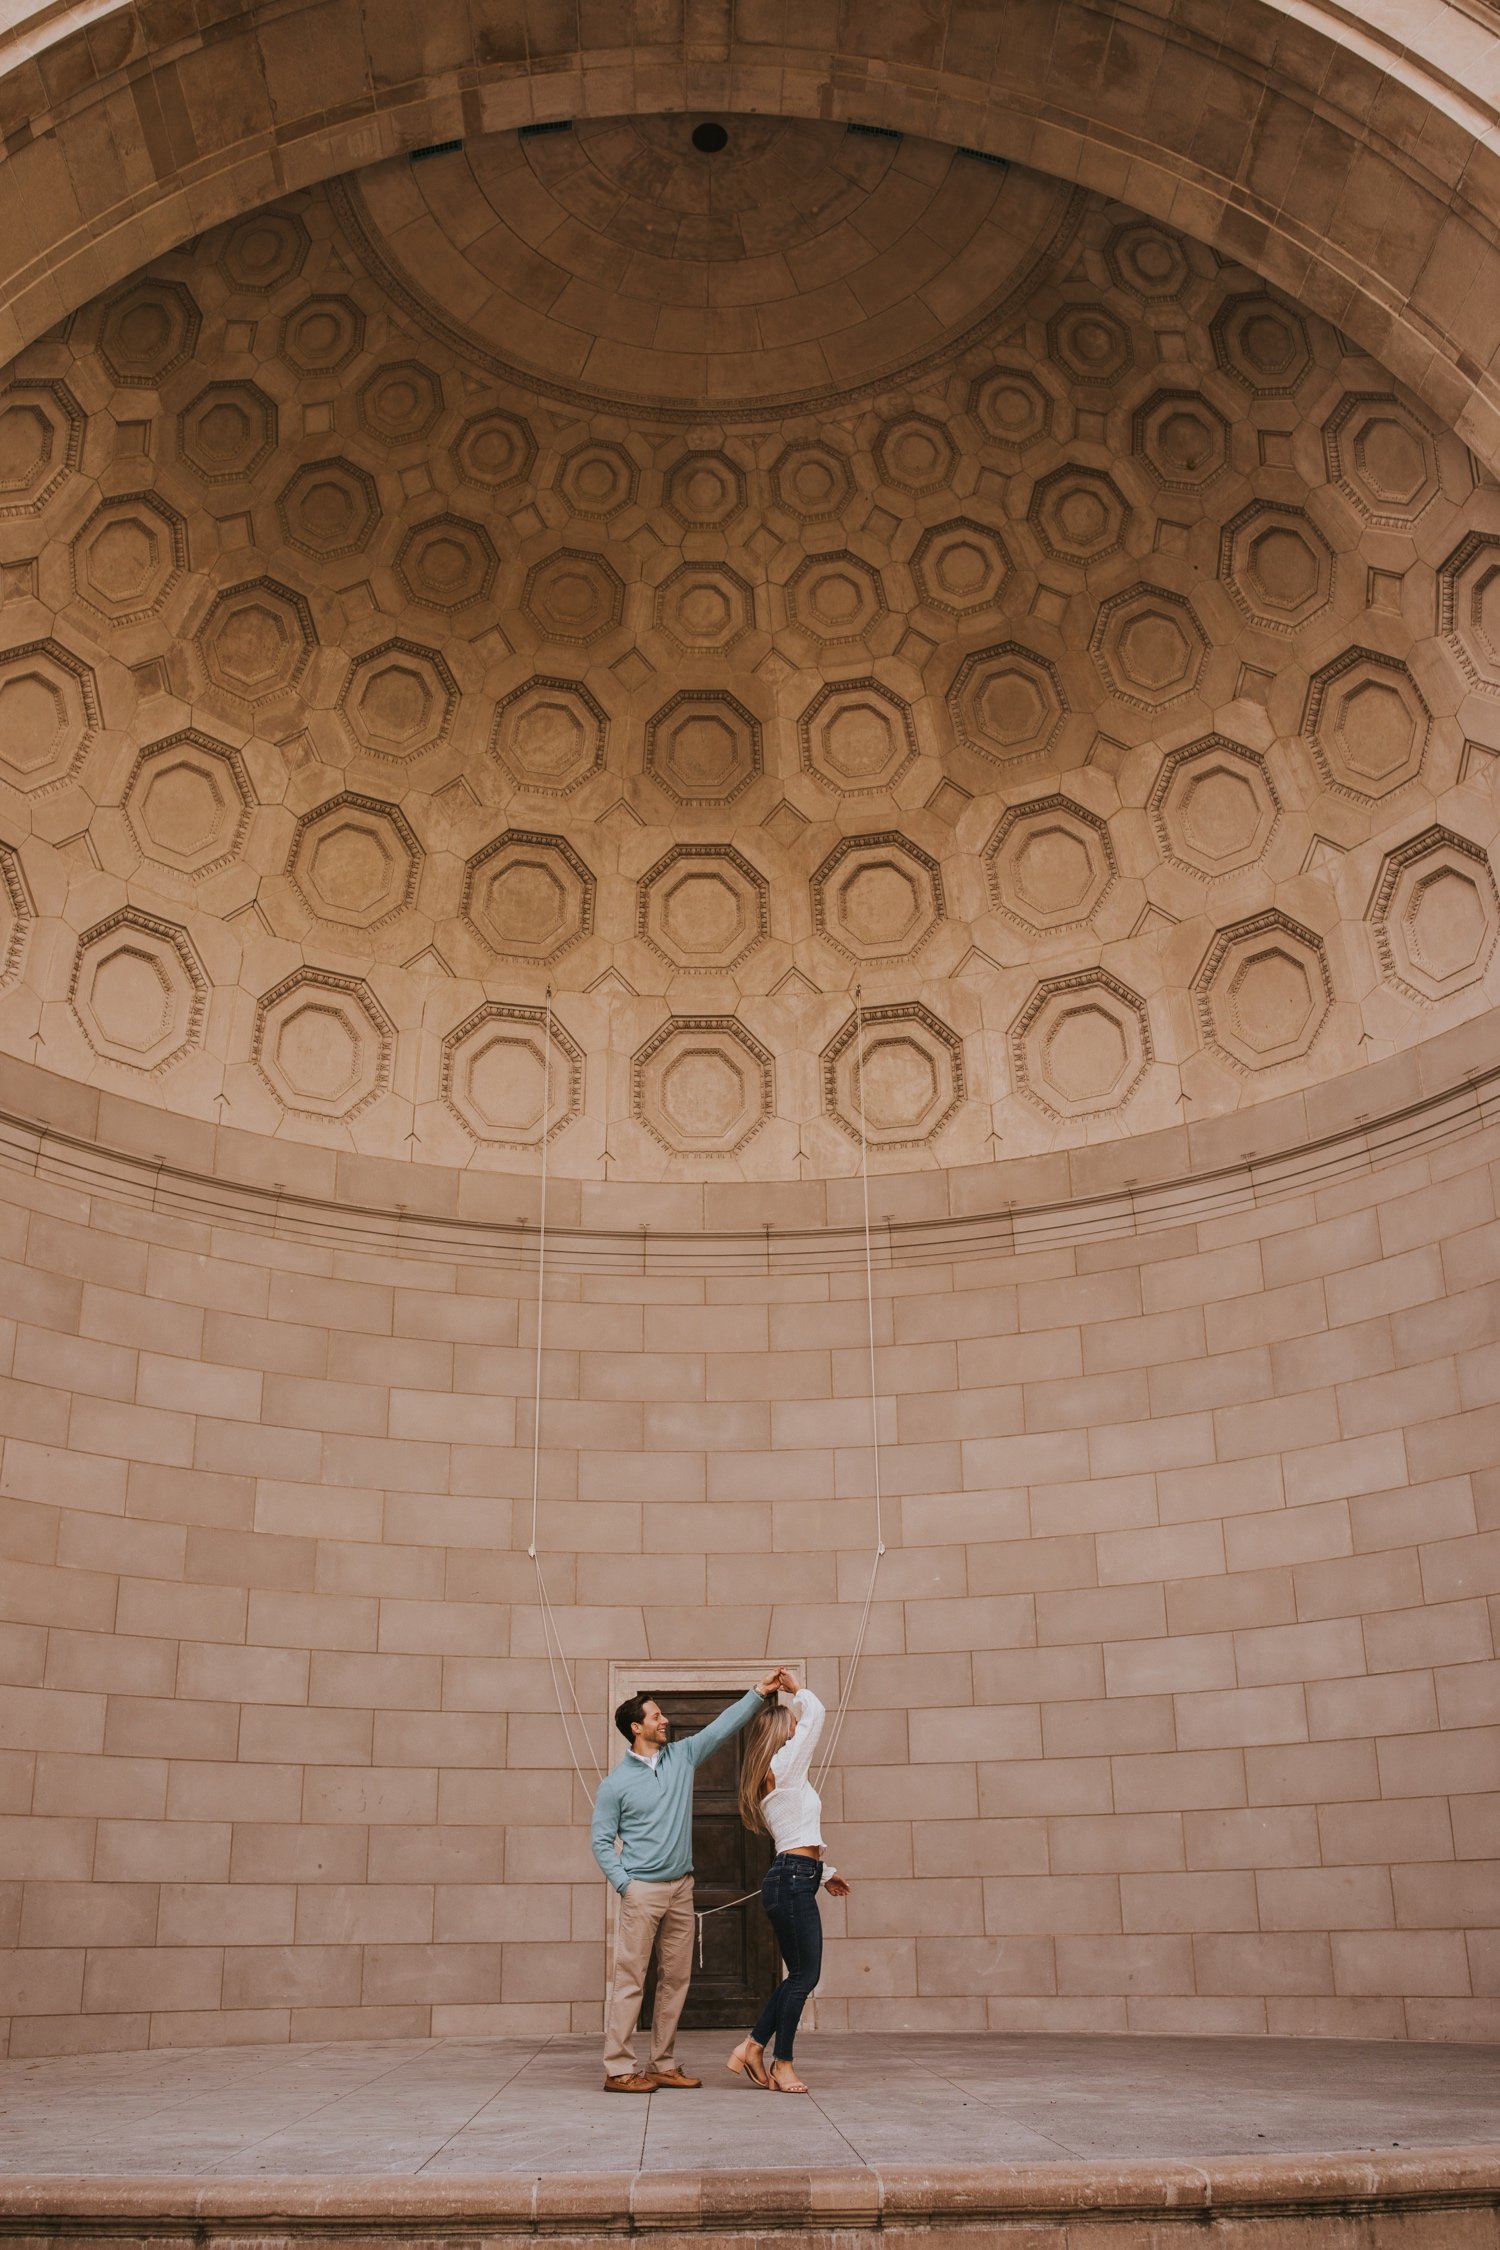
(1275, 148)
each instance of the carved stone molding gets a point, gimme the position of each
(147, 329)
(574, 596)
(227, 432)
(1149, 646)
(835, 598)
(401, 402)
(41, 444)
(914, 453)
(704, 907)
(877, 898)
(1090, 344)
(1079, 514)
(702, 1086)
(1469, 607)
(960, 566)
(1435, 914)
(494, 450)
(17, 915)
(1081, 1046)
(550, 735)
(1264, 992)
(129, 556)
(187, 804)
(1262, 343)
(529, 897)
(139, 992)
(447, 563)
(49, 715)
(703, 748)
(329, 508)
(496, 1078)
(1214, 806)
(704, 607)
(1007, 702)
(597, 479)
(322, 335)
(1182, 438)
(263, 250)
(354, 862)
(323, 1044)
(1277, 565)
(1050, 864)
(399, 700)
(857, 736)
(1368, 724)
(256, 641)
(896, 1075)
(1382, 456)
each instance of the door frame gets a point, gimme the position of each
(637, 1675)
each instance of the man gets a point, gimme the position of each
(646, 1802)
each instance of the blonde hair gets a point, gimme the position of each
(763, 1738)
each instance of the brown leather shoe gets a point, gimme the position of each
(673, 2077)
(632, 2082)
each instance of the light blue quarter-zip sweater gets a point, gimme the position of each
(650, 1807)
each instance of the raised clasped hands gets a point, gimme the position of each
(776, 1682)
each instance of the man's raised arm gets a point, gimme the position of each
(703, 1744)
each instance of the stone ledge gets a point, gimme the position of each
(735, 2206)
(805, 1235)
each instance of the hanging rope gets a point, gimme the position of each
(557, 1663)
(551, 1634)
(869, 1601)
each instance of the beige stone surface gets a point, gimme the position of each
(1178, 1706)
(987, 2122)
(1037, 712)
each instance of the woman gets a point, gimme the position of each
(777, 1795)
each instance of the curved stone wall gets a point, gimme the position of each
(1178, 1710)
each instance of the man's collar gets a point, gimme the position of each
(632, 1752)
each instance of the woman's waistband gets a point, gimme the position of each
(794, 1859)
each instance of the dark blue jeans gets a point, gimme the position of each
(789, 1895)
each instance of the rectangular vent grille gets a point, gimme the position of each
(548, 125)
(433, 148)
(875, 132)
(983, 156)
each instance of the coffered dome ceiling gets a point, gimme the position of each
(1053, 636)
(619, 266)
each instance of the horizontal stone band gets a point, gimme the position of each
(737, 2205)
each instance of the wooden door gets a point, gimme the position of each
(740, 1962)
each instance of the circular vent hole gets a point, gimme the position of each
(710, 138)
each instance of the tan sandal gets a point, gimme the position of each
(780, 2085)
(744, 2065)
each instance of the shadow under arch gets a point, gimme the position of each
(1352, 169)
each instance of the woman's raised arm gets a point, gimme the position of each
(794, 1759)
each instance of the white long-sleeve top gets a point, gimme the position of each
(792, 1807)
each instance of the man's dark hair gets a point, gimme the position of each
(633, 1714)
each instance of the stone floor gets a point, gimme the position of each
(456, 2108)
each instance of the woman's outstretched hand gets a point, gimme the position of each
(836, 1887)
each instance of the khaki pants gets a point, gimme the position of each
(651, 1914)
